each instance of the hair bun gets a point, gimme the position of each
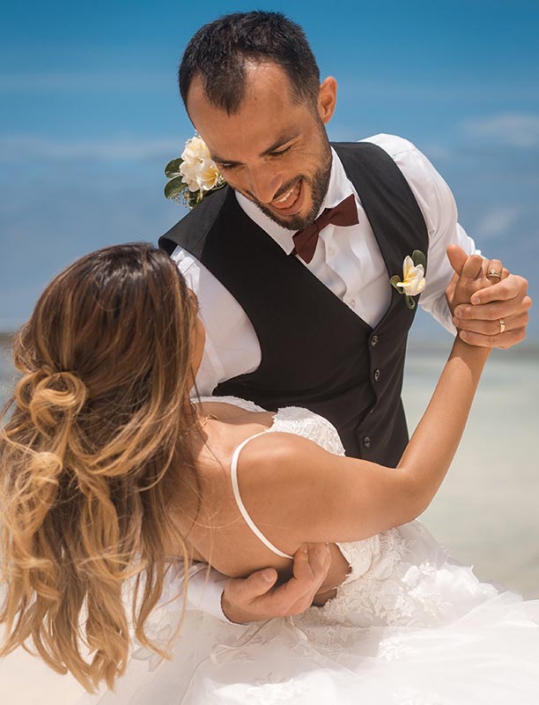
(50, 397)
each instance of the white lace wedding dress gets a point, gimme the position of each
(408, 626)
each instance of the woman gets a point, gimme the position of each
(111, 476)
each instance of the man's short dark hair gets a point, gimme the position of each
(219, 51)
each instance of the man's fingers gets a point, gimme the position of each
(311, 562)
(256, 597)
(244, 590)
(491, 311)
(513, 287)
(492, 327)
(311, 565)
(501, 340)
(249, 599)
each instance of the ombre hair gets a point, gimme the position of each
(92, 445)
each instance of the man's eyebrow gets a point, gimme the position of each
(283, 139)
(279, 142)
(219, 160)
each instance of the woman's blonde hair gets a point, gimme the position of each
(93, 442)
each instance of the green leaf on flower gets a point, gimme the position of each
(174, 187)
(192, 198)
(394, 281)
(419, 258)
(410, 302)
(173, 168)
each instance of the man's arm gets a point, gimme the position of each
(506, 300)
(232, 347)
(439, 210)
(256, 598)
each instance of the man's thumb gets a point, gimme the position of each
(259, 583)
(457, 257)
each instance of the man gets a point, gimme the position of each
(300, 310)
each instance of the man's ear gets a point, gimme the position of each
(327, 99)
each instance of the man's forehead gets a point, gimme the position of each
(262, 79)
(266, 119)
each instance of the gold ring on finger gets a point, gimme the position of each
(502, 326)
(494, 273)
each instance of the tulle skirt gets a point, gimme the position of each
(440, 638)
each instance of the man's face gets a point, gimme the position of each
(274, 150)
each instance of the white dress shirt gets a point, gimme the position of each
(347, 260)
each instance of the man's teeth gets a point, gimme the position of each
(283, 198)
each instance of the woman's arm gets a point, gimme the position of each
(295, 491)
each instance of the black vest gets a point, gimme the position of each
(316, 352)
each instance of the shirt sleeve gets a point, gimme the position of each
(204, 590)
(439, 210)
(231, 346)
(211, 370)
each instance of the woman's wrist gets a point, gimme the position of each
(462, 348)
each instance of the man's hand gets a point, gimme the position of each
(255, 598)
(497, 315)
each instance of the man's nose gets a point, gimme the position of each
(264, 183)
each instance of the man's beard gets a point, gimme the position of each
(318, 183)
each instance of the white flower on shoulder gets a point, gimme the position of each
(193, 175)
(413, 277)
(195, 150)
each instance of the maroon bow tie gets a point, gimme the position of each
(344, 213)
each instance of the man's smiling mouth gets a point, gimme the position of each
(289, 199)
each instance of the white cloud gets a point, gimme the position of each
(437, 152)
(496, 223)
(89, 80)
(515, 129)
(32, 147)
(352, 89)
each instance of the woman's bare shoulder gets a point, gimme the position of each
(279, 478)
(279, 452)
(272, 484)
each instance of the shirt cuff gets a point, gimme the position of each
(442, 313)
(205, 591)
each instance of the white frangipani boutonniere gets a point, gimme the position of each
(413, 277)
(193, 175)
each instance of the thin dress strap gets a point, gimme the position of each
(245, 514)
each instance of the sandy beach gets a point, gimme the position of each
(486, 510)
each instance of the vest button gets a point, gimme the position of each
(367, 442)
(374, 341)
(376, 375)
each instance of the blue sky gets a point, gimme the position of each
(90, 114)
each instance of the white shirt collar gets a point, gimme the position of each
(339, 188)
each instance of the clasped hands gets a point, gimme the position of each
(496, 313)
(480, 302)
